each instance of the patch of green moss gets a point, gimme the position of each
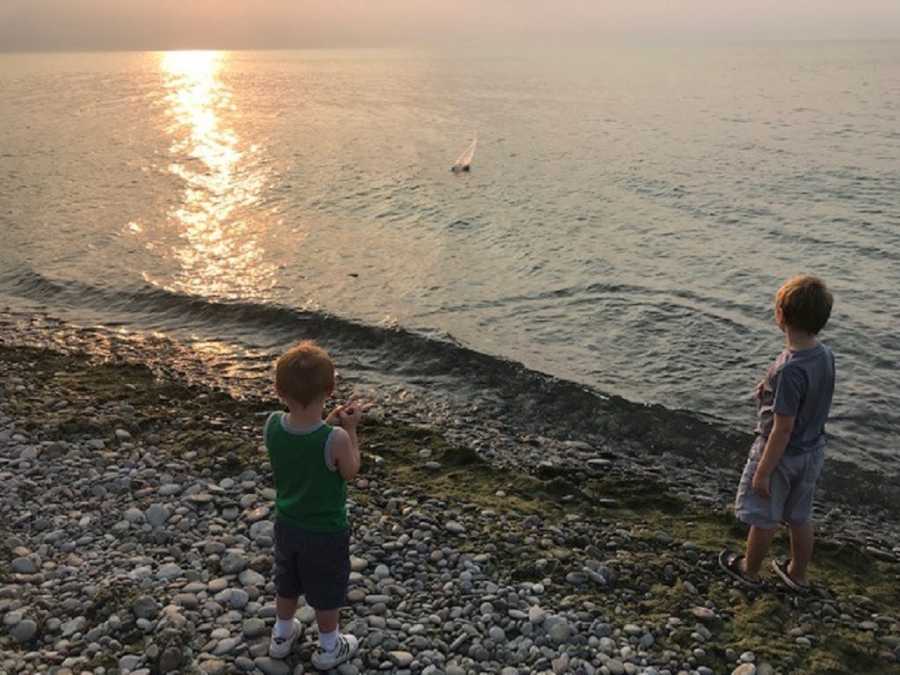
(846, 652)
(111, 600)
(634, 493)
(464, 477)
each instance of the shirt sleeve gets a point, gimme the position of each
(789, 391)
(269, 420)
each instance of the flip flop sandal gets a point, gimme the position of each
(781, 569)
(729, 561)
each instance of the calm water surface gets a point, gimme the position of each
(629, 214)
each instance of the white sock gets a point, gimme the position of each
(328, 641)
(284, 628)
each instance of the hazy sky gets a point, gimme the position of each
(165, 24)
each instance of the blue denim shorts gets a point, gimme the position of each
(792, 487)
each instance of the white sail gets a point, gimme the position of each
(465, 160)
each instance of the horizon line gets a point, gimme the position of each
(634, 42)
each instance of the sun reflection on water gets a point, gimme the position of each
(218, 220)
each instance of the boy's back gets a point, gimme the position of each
(312, 494)
(799, 384)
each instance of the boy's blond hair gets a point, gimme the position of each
(805, 303)
(305, 373)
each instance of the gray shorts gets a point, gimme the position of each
(793, 485)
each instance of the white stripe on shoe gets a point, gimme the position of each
(280, 647)
(346, 647)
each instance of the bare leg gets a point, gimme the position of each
(327, 620)
(285, 607)
(801, 552)
(758, 542)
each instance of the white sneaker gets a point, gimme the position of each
(280, 647)
(344, 650)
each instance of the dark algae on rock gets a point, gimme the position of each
(135, 534)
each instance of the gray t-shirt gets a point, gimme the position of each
(799, 385)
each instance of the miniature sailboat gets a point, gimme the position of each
(464, 161)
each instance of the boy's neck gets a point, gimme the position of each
(798, 340)
(305, 416)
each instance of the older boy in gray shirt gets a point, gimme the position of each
(794, 399)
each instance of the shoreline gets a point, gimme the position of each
(140, 503)
(522, 415)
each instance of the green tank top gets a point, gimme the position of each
(309, 494)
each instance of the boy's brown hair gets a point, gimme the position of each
(305, 373)
(805, 303)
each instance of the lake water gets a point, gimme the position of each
(629, 214)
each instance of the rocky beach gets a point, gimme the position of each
(136, 534)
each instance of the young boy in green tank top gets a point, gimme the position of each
(312, 460)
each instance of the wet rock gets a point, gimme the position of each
(244, 664)
(744, 669)
(557, 628)
(271, 666)
(306, 614)
(560, 664)
(704, 613)
(257, 514)
(145, 607)
(226, 646)
(73, 626)
(262, 530)
(24, 566)
(254, 628)
(252, 578)
(400, 659)
(233, 563)
(24, 630)
(213, 667)
(134, 515)
(217, 585)
(169, 571)
(170, 659)
(130, 662)
(239, 598)
(156, 515)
